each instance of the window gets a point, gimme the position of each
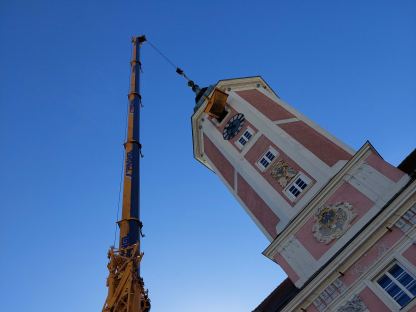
(266, 159)
(300, 183)
(329, 294)
(399, 284)
(242, 141)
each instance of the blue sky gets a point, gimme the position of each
(64, 69)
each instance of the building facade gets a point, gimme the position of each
(341, 223)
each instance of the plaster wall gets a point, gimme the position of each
(224, 167)
(269, 108)
(345, 193)
(372, 256)
(257, 206)
(258, 149)
(373, 302)
(410, 254)
(322, 147)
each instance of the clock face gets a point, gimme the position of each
(233, 126)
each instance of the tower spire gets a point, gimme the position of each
(126, 291)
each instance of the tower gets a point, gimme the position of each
(272, 158)
(313, 197)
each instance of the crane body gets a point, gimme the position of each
(126, 292)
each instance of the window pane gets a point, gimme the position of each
(242, 141)
(404, 278)
(395, 270)
(264, 162)
(384, 281)
(395, 286)
(393, 290)
(294, 191)
(301, 183)
(247, 135)
(412, 287)
(269, 155)
(402, 299)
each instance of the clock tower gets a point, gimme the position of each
(272, 158)
(308, 192)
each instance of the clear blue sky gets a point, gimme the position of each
(64, 69)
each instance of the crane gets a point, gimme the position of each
(126, 292)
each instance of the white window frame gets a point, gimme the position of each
(301, 190)
(396, 282)
(266, 160)
(239, 144)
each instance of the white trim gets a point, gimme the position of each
(320, 198)
(284, 121)
(396, 281)
(310, 123)
(359, 224)
(250, 143)
(381, 295)
(234, 192)
(299, 259)
(294, 183)
(248, 130)
(369, 181)
(310, 163)
(267, 158)
(280, 207)
(347, 257)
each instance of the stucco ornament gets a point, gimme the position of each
(282, 172)
(332, 221)
(353, 305)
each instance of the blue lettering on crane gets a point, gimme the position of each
(129, 164)
(125, 241)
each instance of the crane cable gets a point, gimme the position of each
(178, 70)
(194, 88)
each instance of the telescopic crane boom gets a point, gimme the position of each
(126, 291)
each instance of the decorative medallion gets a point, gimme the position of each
(282, 172)
(332, 221)
(353, 305)
(233, 126)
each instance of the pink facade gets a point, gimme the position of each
(219, 161)
(265, 105)
(384, 167)
(373, 302)
(410, 254)
(345, 193)
(326, 150)
(258, 149)
(257, 206)
(286, 267)
(372, 256)
(312, 308)
(314, 245)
